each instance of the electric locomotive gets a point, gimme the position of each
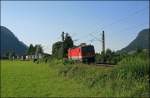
(82, 53)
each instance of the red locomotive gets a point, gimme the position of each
(83, 53)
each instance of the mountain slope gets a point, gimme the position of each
(10, 43)
(140, 42)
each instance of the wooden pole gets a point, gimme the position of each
(103, 42)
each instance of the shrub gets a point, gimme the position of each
(134, 66)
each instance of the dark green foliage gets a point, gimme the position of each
(60, 49)
(136, 67)
(97, 57)
(38, 49)
(34, 49)
(68, 43)
(110, 57)
(105, 57)
(56, 49)
(31, 50)
(46, 59)
(133, 66)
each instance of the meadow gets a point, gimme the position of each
(27, 79)
(130, 78)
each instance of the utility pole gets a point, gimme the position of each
(103, 42)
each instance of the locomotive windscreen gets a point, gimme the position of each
(88, 49)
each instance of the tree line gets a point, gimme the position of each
(32, 50)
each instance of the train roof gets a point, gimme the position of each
(81, 46)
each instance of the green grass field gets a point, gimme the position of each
(27, 79)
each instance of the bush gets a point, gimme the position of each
(136, 66)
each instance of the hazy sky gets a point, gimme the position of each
(41, 22)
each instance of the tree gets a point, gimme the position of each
(38, 49)
(34, 49)
(68, 43)
(31, 50)
(107, 56)
(60, 49)
(56, 48)
(41, 49)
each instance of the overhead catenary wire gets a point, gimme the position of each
(131, 27)
(124, 29)
(122, 19)
(116, 22)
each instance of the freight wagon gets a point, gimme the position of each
(83, 53)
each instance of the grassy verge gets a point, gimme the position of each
(28, 79)
(130, 78)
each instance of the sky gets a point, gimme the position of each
(42, 22)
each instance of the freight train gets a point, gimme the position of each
(82, 53)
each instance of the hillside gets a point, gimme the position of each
(10, 43)
(140, 42)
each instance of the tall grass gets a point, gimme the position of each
(130, 78)
(133, 66)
